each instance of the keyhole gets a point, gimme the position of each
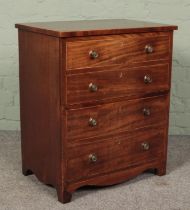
(121, 75)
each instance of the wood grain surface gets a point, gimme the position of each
(93, 27)
(117, 83)
(115, 117)
(115, 153)
(117, 50)
(40, 106)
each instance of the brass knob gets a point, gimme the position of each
(146, 112)
(93, 54)
(92, 122)
(93, 158)
(147, 79)
(93, 87)
(145, 146)
(149, 48)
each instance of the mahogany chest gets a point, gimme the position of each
(94, 101)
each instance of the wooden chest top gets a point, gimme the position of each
(94, 27)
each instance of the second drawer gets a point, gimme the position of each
(95, 86)
(115, 117)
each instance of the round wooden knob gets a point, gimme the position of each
(93, 158)
(92, 122)
(149, 48)
(147, 79)
(146, 112)
(93, 54)
(93, 87)
(145, 146)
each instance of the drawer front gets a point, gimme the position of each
(119, 152)
(115, 117)
(117, 50)
(96, 86)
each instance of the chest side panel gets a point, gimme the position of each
(40, 105)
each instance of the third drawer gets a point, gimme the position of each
(115, 117)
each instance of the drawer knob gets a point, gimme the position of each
(92, 122)
(149, 48)
(93, 54)
(93, 158)
(93, 87)
(146, 112)
(145, 146)
(147, 79)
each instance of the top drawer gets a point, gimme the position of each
(116, 50)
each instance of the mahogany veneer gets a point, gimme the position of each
(94, 101)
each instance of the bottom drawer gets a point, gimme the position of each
(115, 153)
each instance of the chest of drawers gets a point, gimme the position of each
(94, 101)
